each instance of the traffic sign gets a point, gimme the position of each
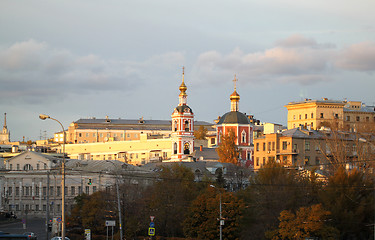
(152, 218)
(151, 231)
(58, 219)
(152, 224)
(109, 223)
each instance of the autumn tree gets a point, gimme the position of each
(202, 218)
(201, 133)
(227, 149)
(170, 198)
(306, 223)
(272, 190)
(349, 197)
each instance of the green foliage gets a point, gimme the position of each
(227, 149)
(202, 219)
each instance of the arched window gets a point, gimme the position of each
(186, 126)
(175, 126)
(243, 137)
(27, 167)
(175, 148)
(186, 148)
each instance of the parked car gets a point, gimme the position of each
(59, 238)
(31, 235)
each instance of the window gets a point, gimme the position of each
(51, 191)
(243, 137)
(257, 147)
(72, 190)
(87, 190)
(269, 146)
(27, 167)
(336, 116)
(44, 207)
(264, 146)
(79, 190)
(10, 166)
(37, 166)
(321, 115)
(17, 191)
(37, 191)
(294, 117)
(80, 134)
(357, 118)
(186, 126)
(27, 191)
(312, 115)
(367, 119)
(306, 116)
(175, 126)
(94, 189)
(87, 134)
(285, 145)
(186, 148)
(18, 166)
(307, 146)
(44, 191)
(300, 117)
(37, 207)
(273, 146)
(257, 161)
(10, 192)
(264, 160)
(348, 118)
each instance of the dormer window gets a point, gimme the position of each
(27, 167)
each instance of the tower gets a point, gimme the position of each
(240, 124)
(5, 135)
(182, 126)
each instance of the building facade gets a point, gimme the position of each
(313, 114)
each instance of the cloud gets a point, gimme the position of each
(295, 59)
(32, 70)
(359, 57)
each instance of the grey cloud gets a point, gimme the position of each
(30, 69)
(358, 57)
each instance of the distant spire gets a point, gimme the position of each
(5, 120)
(183, 89)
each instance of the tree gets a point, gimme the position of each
(202, 219)
(272, 190)
(348, 195)
(201, 133)
(170, 198)
(227, 150)
(307, 222)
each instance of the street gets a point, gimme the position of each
(36, 225)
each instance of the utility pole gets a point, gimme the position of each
(47, 205)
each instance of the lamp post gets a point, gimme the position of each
(44, 117)
(221, 217)
(118, 202)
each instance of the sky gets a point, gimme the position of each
(77, 59)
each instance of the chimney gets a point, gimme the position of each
(201, 148)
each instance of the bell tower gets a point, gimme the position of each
(182, 126)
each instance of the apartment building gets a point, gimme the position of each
(313, 114)
(31, 182)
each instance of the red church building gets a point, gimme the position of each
(240, 124)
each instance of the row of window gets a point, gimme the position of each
(358, 119)
(27, 167)
(28, 191)
(186, 126)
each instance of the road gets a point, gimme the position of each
(36, 225)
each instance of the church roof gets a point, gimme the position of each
(234, 117)
(184, 108)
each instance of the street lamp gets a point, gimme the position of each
(221, 221)
(44, 117)
(118, 202)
